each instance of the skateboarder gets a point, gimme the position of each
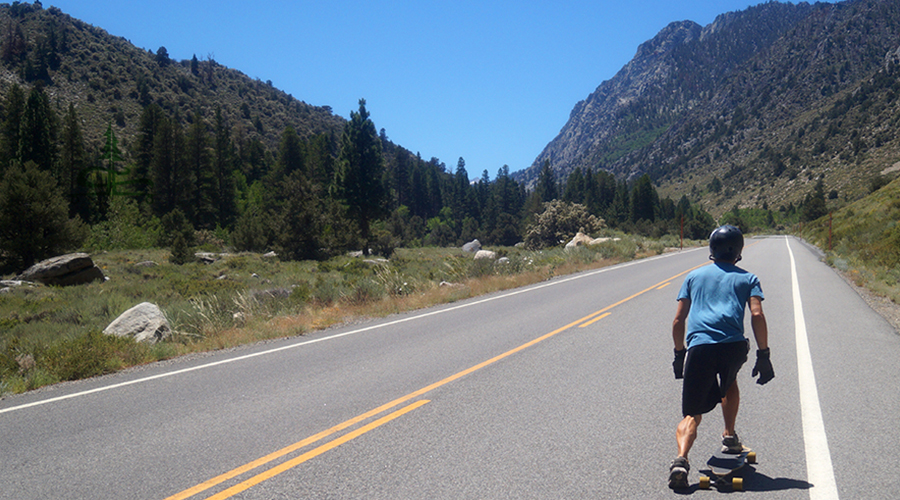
(710, 346)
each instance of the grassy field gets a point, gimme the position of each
(52, 334)
(863, 240)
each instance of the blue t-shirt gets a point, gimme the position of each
(718, 294)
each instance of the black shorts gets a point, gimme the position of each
(709, 370)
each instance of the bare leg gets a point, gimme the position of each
(730, 404)
(687, 433)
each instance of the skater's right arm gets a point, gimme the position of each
(679, 325)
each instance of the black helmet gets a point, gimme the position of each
(726, 243)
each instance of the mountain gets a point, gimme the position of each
(751, 110)
(111, 81)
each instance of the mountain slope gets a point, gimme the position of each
(748, 110)
(110, 80)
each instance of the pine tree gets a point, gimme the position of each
(546, 184)
(814, 205)
(223, 168)
(12, 125)
(149, 121)
(301, 219)
(199, 166)
(72, 159)
(34, 217)
(37, 139)
(644, 200)
(172, 186)
(358, 181)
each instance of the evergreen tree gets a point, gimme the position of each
(506, 203)
(574, 191)
(34, 217)
(291, 154)
(401, 178)
(643, 200)
(301, 219)
(198, 164)
(358, 180)
(37, 139)
(12, 125)
(171, 183)
(14, 46)
(814, 205)
(149, 121)
(224, 191)
(72, 157)
(319, 161)
(546, 184)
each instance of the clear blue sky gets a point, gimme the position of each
(490, 81)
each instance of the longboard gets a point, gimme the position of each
(723, 465)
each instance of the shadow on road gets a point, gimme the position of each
(754, 481)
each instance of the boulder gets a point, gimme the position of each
(144, 322)
(472, 246)
(485, 254)
(65, 270)
(580, 239)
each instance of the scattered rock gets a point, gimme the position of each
(270, 255)
(207, 257)
(472, 246)
(14, 283)
(580, 239)
(25, 362)
(144, 322)
(503, 260)
(65, 270)
(485, 254)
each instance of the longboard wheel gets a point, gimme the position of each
(751, 457)
(737, 483)
(704, 483)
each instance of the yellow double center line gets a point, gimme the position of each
(285, 466)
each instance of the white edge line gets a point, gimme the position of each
(818, 457)
(332, 337)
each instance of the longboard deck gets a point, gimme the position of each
(722, 467)
(722, 463)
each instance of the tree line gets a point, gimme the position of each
(310, 198)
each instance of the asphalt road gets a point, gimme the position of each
(558, 390)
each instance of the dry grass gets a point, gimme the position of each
(50, 334)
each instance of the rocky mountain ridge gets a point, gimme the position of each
(744, 111)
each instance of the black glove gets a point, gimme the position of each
(678, 363)
(763, 367)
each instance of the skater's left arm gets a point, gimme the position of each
(679, 325)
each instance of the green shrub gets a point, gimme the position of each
(91, 354)
(558, 222)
